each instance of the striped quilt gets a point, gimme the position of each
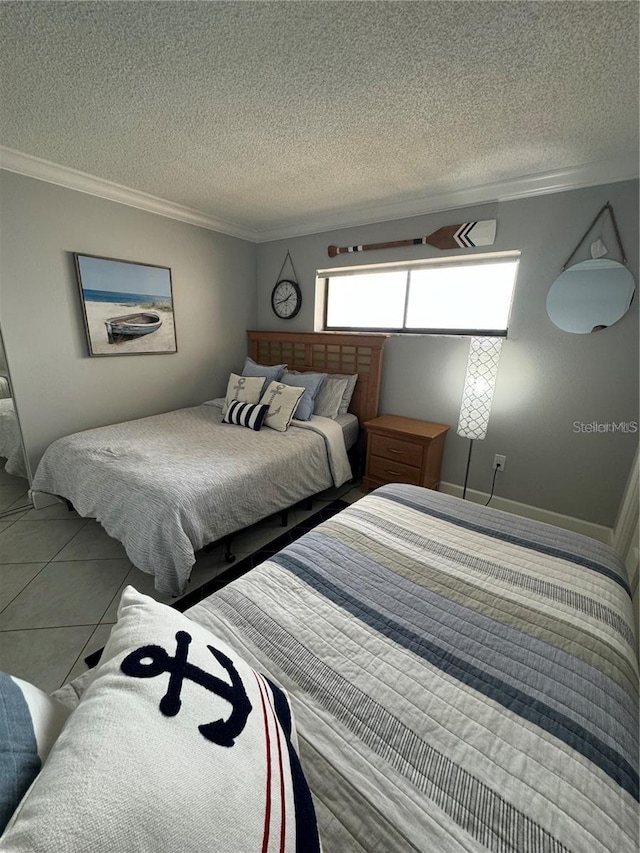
(462, 679)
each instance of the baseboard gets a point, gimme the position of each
(567, 522)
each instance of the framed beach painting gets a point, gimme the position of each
(128, 307)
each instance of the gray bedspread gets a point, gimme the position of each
(462, 679)
(167, 485)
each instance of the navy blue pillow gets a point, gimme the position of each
(250, 415)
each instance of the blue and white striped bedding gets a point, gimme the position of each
(462, 679)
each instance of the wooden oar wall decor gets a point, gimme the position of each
(463, 236)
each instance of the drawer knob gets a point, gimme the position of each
(394, 473)
(392, 450)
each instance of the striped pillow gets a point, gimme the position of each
(250, 415)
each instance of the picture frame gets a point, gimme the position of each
(127, 306)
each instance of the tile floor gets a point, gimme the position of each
(61, 577)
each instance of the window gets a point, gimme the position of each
(470, 296)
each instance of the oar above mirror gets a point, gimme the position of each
(594, 294)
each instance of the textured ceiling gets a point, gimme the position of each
(270, 114)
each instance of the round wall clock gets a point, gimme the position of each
(286, 299)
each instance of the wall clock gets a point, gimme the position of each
(286, 299)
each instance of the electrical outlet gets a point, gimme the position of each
(499, 462)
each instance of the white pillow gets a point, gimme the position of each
(246, 389)
(176, 745)
(282, 401)
(329, 398)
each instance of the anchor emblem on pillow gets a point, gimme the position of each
(151, 661)
(239, 386)
(274, 391)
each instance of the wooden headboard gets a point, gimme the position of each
(328, 352)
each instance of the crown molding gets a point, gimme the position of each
(543, 183)
(72, 179)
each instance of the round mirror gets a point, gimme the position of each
(590, 296)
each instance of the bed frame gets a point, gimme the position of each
(328, 352)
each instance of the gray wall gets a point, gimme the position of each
(58, 388)
(547, 379)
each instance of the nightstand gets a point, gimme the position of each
(403, 450)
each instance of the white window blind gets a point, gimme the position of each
(465, 297)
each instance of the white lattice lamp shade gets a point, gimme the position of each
(482, 369)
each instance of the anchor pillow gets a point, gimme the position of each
(282, 401)
(246, 389)
(177, 744)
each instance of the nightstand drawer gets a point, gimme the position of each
(397, 450)
(392, 472)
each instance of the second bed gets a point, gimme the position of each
(167, 485)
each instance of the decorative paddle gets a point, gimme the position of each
(463, 236)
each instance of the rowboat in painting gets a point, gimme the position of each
(132, 325)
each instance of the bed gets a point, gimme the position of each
(165, 499)
(461, 679)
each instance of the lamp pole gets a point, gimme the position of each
(466, 473)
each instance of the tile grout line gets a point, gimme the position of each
(69, 541)
(131, 566)
(97, 625)
(34, 561)
(41, 570)
(12, 508)
(73, 665)
(24, 587)
(62, 547)
(113, 597)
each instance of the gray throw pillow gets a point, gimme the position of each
(348, 394)
(311, 383)
(329, 398)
